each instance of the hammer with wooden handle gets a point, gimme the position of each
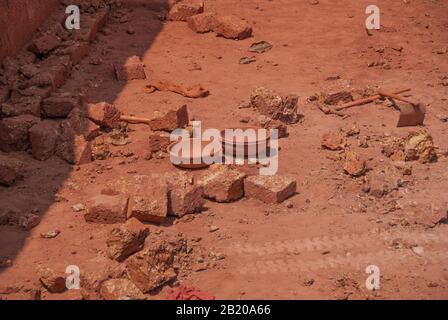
(366, 100)
(397, 97)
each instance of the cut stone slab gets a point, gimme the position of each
(132, 69)
(11, 169)
(43, 138)
(107, 209)
(186, 8)
(270, 189)
(222, 183)
(169, 120)
(14, 132)
(126, 240)
(232, 27)
(120, 289)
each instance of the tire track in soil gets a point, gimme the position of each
(376, 242)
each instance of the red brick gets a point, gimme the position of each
(132, 69)
(270, 189)
(14, 132)
(150, 204)
(169, 120)
(43, 138)
(186, 8)
(107, 209)
(185, 197)
(10, 170)
(232, 27)
(126, 240)
(222, 183)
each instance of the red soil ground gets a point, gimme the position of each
(318, 244)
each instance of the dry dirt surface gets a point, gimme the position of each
(367, 192)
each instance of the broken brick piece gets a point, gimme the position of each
(10, 170)
(92, 24)
(353, 165)
(81, 125)
(104, 114)
(126, 240)
(169, 120)
(186, 8)
(132, 69)
(222, 183)
(152, 268)
(43, 138)
(333, 141)
(107, 209)
(202, 23)
(232, 27)
(159, 141)
(185, 197)
(76, 50)
(44, 44)
(120, 289)
(270, 189)
(14, 132)
(53, 281)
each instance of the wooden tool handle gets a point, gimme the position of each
(135, 120)
(366, 100)
(397, 97)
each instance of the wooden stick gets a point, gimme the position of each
(397, 97)
(135, 120)
(366, 100)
